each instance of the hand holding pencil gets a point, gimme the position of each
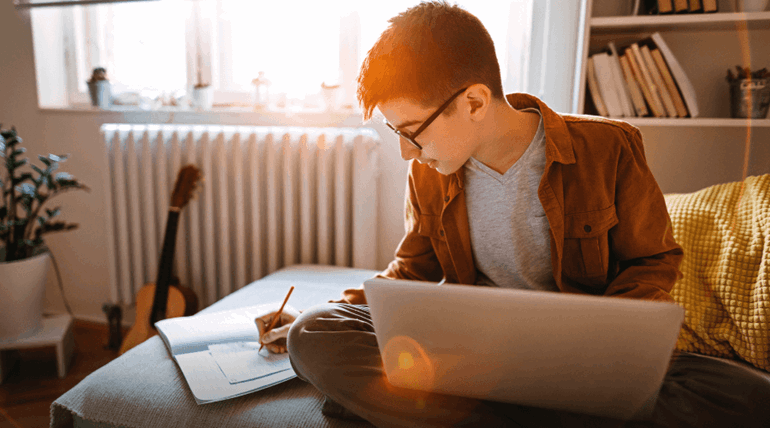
(274, 326)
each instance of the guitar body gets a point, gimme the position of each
(142, 329)
(165, 298)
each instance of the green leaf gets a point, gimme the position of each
(20, 163)
(36, 169)
(54, 158)
(13, 141)
(41, 220)
(53, 213)
(18, 152)
(44, 160)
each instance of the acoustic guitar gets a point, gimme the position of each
(166, 298)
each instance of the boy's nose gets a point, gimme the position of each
(408, 151)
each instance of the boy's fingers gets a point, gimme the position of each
(275, 334)
(276, 349)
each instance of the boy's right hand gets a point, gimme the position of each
(275, 339)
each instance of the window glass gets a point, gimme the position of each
(142, 44)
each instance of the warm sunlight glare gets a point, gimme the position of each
(407, 365)
(405, 361)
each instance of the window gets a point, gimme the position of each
(155, 51)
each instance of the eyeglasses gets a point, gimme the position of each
(411, 138)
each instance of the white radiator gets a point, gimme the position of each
(271, 197)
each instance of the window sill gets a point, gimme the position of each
(228, 115)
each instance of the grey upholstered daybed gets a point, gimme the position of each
(145, 388)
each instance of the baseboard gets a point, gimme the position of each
(127, 323)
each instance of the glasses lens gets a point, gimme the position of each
(402, 135)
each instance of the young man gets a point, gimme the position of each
(504, 192)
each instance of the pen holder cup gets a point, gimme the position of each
(749, 98)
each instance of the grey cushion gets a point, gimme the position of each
(145, 388)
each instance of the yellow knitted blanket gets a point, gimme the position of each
(725, 290)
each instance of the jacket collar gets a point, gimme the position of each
(558, 142)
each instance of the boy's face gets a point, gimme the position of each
(446, 143)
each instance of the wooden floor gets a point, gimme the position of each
(28, 391)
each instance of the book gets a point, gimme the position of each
(628, 54)
(620, 82)
(656, 103)
(665, 7)
(710, 6)
(219, 355)
(670, 83)
(695, 6)
(633, 87)
(681, 6)
(593, 88)
(660, 85)
(604, 77)
(677, 72)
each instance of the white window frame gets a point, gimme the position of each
(213, 42)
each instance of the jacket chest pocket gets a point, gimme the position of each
(586, 245)
(429, 226)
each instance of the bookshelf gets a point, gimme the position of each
(687, 154)
(706, 45)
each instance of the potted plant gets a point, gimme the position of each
(23, 221)
(749, 92)
(99, 88)
(202, 93)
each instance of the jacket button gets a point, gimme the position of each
(446, 199)
(441, 232)
(587, 228)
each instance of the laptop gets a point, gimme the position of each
(586, 354)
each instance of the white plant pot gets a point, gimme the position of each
(101, 93)
(22, 288)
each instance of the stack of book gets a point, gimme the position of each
(663, 7)
(643, 79)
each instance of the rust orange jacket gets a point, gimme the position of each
(610, 229)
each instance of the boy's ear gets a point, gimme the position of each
(479, 98)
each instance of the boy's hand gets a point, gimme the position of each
(275, 339)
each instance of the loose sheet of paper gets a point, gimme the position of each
(243, 361)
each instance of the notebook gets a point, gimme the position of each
(587, 354)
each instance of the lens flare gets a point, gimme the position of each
(407, 365)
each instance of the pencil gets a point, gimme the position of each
(276, 317)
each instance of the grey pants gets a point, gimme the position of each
(333, 347)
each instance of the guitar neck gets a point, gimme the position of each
(164, 268)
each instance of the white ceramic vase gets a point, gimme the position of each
(22, 289)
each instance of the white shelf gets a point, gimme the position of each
(684, 22)
(699, 122)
